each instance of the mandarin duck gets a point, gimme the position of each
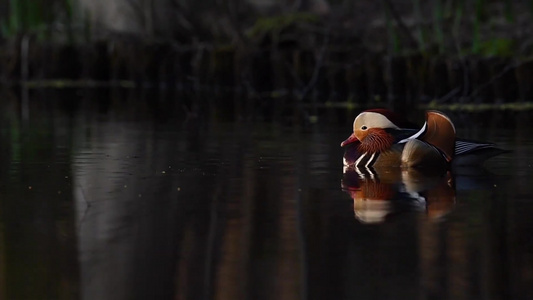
(382, 138)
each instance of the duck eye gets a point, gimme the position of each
(364, 127)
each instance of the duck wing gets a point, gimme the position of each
(439, 131)
(464, 146)
(468, 152)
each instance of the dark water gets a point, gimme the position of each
(121, 195)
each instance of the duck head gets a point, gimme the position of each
(372, 129)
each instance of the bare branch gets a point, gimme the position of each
(318, 66)
(390, 7)
(506, 69)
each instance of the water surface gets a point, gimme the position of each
(120, 195)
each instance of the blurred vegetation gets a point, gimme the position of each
(356, 50)
(480, 27)
(46, 19)
(274, 26)
(451, 27)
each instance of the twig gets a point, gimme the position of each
(400, 23)
(483, 86)
(450, 95)
(24, 58)
(137, 10)
(466, 81)
(318, 66)
(24, 73)
(464, 67)
(87, 207)
(234, 24)
(294, 74)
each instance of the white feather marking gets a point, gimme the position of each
(370, 160)
(359, 172)
(371, 174)
(359, 159)
(416, 135)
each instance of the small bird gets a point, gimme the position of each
(383, 138)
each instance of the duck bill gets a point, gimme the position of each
(351, 139)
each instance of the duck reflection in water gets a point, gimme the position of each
(379, 194)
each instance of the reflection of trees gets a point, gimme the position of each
(38, 257)
(470, 256)
(251, 239)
